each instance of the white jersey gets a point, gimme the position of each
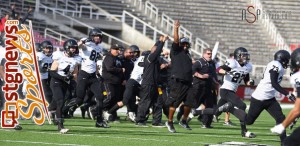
(238, 72)
(89, 56)
(264, 89)
(59, 54)
(66, 65)
(295, 81)
(137, 71)
(46, 63)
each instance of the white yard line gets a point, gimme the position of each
(147, 139)
(45, 143)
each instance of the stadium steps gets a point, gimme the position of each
(216, 20)
(289, 28)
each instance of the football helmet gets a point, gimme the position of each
(95, 32)
(38, 47)
(241, 55)
(46, 45)
(295, 60)
(71, 43)
(283, 57)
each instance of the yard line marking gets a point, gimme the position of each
(208, 135)
(114, 137)
(145, 139)
(45, 143)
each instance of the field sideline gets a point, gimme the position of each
(83, 133)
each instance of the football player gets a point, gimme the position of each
(45, 61)
(263, 98)
(235, 70)
(90, 50)
(62, 71)
(293, 139)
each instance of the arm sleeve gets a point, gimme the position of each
(157, 52)
(109, 64)
(246, 79)
(274, 78)
(196, 66)
(55, 75)
(225, 67)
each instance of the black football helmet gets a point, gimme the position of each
(95, 32)
(295, 60)
(38, 47)
(283, 57)
(241, 55)
(185, 40)
(136, 50)
(71, 43)
(46, 44)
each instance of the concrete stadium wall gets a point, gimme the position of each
(135, 37)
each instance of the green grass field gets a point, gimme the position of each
(83, 132)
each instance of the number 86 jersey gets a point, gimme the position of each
(236, 75)
(90, 56)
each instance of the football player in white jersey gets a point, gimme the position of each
(45, 61)
(90, 52)
(263, 98)
(293, 139)
(235, 70)
(62, 71)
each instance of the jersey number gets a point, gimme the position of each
(47, 65)
(94, 55)
(237, 77)
(67, 69)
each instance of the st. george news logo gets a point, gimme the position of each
(20, 42)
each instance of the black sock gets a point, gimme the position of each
(113, 109)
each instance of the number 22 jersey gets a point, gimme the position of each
(237, 74)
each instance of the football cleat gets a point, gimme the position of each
(63, 131)
(229, 123)
(102, 124)
(141, 124)
(248, 134)
(278, 129)
(18, 127)
(170, 127)
(185, 125)
(131, 116)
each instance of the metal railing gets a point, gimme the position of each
(165, 22)
(96, 15)
(61, 37)
(110, 38)
(270, 27)
(151, 10)
(126, 17)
